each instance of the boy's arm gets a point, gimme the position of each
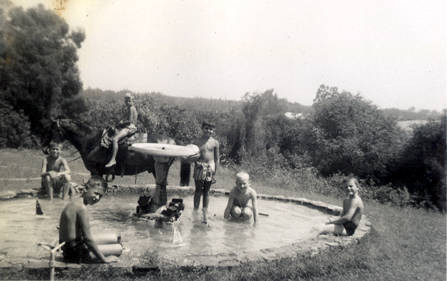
(88, 238)
(254, 203)
(216, 156)
(44, 167)
(347, 215)
(66, 170)
(229, 206)
(133, 115)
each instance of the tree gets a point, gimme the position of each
(351, 135)
(421, 165)
(38, 71)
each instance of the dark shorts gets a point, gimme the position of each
(75, 251)
(350, 227)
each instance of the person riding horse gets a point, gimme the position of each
(127, 126)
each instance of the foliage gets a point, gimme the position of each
(38, 71)
(14, 128)
(421, 165)
(350, 135)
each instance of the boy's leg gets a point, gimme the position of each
(121, 134)
(205, 199)
(48, 185)
(205, 192)
(197, 193)
(236, 212)
(66, 186)
(247, 213)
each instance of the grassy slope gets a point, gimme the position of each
(407, 244)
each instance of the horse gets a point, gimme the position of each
(87, 141)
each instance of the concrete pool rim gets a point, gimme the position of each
(300, 249)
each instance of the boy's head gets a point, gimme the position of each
(208, 127)
(242, 181)
(95, 189)
(128, 99)
(352, 186)
(55, 149)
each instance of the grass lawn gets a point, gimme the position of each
(406, 243)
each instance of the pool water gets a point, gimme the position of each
(21, 229)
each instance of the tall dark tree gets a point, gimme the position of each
(38, 71)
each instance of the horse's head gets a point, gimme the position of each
(68, 129)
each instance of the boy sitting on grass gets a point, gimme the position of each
(352, 212)
(237, 206)
(56, 173)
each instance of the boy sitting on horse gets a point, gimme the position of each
(55, 173)
(127, 126)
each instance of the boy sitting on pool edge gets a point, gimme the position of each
(352, 212)
(56, 173)
(237, 206)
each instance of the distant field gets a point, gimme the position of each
(409, 125)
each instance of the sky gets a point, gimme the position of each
(392, 52)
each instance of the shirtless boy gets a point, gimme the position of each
(127, 126)
(352, 212)
(237, 206)
(205, 167)
(55, 173)
(74, 226)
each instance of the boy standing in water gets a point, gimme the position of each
(127, 126)
(74, 225)
(55, 173)
(237, 206)
(351, 214)
(205, 167)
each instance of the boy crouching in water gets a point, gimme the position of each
(74, 225)
(352, 212)
(237, 206)
(56, 173)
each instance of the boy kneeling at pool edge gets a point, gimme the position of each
(237, 206)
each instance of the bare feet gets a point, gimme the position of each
(204, 219)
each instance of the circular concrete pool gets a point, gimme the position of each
(285, 228)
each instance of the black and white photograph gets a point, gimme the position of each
(223, 140)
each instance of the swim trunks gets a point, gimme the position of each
(204, 171)
(350, 227)
(75, 251)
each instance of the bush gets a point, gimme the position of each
(421, 165)
(15, 129)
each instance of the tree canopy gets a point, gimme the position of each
(351, 135)
(38, 71)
